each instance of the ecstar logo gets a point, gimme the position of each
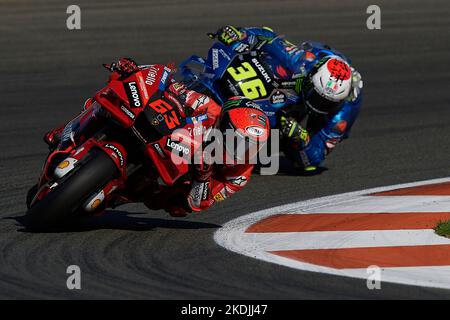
(127, 112)
(215, 58)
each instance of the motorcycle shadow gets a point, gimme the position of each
(286, 168)
(122, 220)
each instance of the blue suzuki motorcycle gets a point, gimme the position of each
(227, 73)
(240, 70)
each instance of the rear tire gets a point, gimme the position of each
(60, 206)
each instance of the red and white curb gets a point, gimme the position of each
(390, 227)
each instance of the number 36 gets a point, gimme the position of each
(252, 88)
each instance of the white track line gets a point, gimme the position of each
(337, 239)
(391, 204)
(232, 235)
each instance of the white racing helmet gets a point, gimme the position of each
(327, 85)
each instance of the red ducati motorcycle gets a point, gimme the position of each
(117, 150)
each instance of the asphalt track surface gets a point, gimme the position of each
(46, 73)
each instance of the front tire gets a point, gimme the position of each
(60, 206)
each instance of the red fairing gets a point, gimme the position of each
(126, 98)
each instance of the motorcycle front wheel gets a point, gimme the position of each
(61, 205)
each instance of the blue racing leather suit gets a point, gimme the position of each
(289, 62)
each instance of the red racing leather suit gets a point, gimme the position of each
(210, 183)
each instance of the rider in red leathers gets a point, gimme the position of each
(214, 183)
(210, 182)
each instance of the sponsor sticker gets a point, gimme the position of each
(133, 94)
(157, 120)
(142, 85)
(128, 112)
(116, 152)
(223, 53)
(219, 197)
(162, 83)
(201, 118)
(252, 104)
(63, 164)
(278, 97)
(158, 149)
(95, 204)
(232, 87)
(205, 193)
(215, 58)
(242, 47)
(151, 76)
(261, 69)
(177, 146)
(255, 131)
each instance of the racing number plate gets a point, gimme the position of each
(164, 116)
(247, 76)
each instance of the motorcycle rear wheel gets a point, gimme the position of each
(61, 205)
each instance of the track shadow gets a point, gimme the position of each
(122, 220)
(287, 169)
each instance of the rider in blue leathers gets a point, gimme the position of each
(329, 92)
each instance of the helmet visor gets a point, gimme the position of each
(319, 103)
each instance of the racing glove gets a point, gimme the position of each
(292, 130)
(227, 35)
(123, 66)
